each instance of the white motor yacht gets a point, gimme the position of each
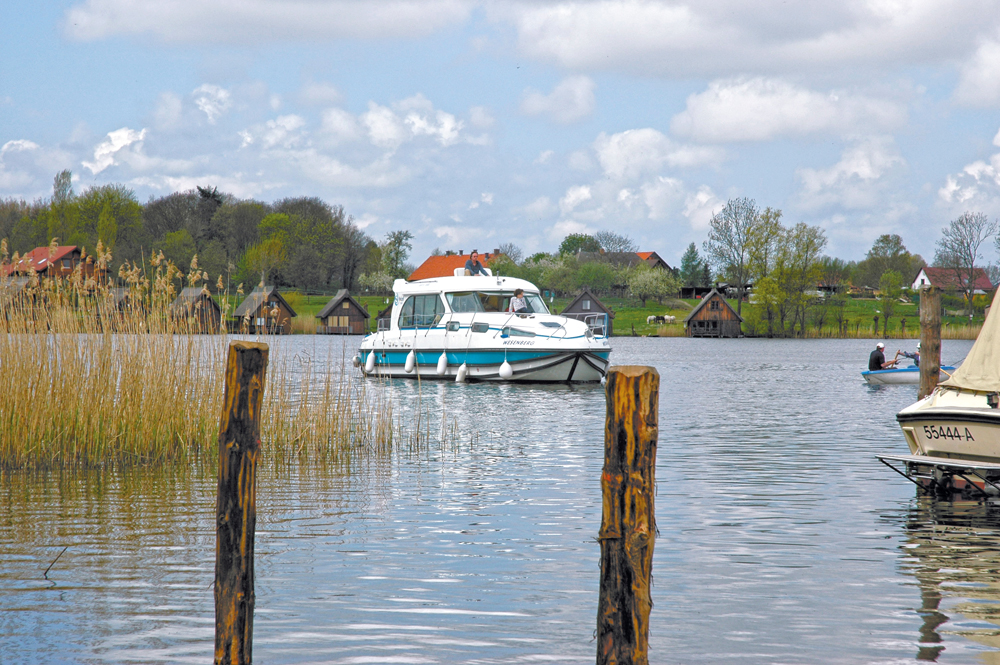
(458, 328)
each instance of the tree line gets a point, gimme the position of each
(299, 242)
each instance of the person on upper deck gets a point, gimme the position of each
(518, 305)
(473, 266)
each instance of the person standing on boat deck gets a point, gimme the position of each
(518, 305)
(473, 266)
(876, 360)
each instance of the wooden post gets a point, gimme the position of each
(930, 340)
(236, 505)
(628, 523)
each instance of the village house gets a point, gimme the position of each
(263, 311)
(58, 261)
(343, 315)
(713, 317)
(625, 259)
(588, 308)
(946, 279)
(444, 265)
(196, 310)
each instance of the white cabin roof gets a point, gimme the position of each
(462, 284)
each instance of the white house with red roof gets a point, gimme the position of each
(946, 279)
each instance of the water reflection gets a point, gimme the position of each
(952, 549)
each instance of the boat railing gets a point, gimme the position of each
(596, 323)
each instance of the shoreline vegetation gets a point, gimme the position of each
(93, 380)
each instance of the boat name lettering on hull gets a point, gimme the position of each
(518, 342)
(932, 432)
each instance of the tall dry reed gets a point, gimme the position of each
(92, 375)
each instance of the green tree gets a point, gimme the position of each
(107, 227)
(179, 247)
(729, 242)
(395, 250)
(887, 253)
(797, 272)
(262, 260)
(578, 242)
(645, 282)
(62, 187)
(598, 276)
(958, 249)
(692, 268)
(615, 243)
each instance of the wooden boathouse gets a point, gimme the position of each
(197, 310)
(265, 312)
(713, 317)
(343, 315)
(588, 308)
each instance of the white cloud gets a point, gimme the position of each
(661, 196)
(857, 181)
(319, 94)
(730, 37)
(540, 208)
(487, 198)
(340, 126)
(283, 131)
(480, 117)
(168, 110)
(701, 206)
(635, 152)
(760, 109)
(106, 152)
(571, 100)
(544, 156)
(979, 84)
(212, 100)
(256, 22)
(385, 129)
(574, 196)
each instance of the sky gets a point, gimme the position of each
(472, 124)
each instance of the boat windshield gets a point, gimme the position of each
(492, 301)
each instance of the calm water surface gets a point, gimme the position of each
(782, 539)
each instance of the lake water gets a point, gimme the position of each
(781, 538)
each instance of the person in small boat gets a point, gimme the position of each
(915, 356)
(473, 266)
(876, 360)
(518, 305)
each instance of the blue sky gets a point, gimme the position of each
(477, 123)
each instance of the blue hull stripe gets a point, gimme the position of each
(478, 358)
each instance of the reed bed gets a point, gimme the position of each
(89, 378)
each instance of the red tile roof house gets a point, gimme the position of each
(444, 265)
(48, 262)
(946, 279)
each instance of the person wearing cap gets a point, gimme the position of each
(915, 356)
(876, 360)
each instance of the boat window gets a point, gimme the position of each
(480, 327)
(421, 311)
(495, 302)
(453, 326)
(514, 332)
(551, 324)
(464, 302)
(535, 303)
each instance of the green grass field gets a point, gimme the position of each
(630, 317)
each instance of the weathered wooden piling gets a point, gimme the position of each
(628, 523)
(930, 340)
(236, 506)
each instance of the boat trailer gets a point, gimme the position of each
(944, 476)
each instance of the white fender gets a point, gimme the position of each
(462, 371)
(506, 371)
(442, 364)
(411, 360)
(356, 361)
(370, 362)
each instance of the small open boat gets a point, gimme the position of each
(900, 375)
